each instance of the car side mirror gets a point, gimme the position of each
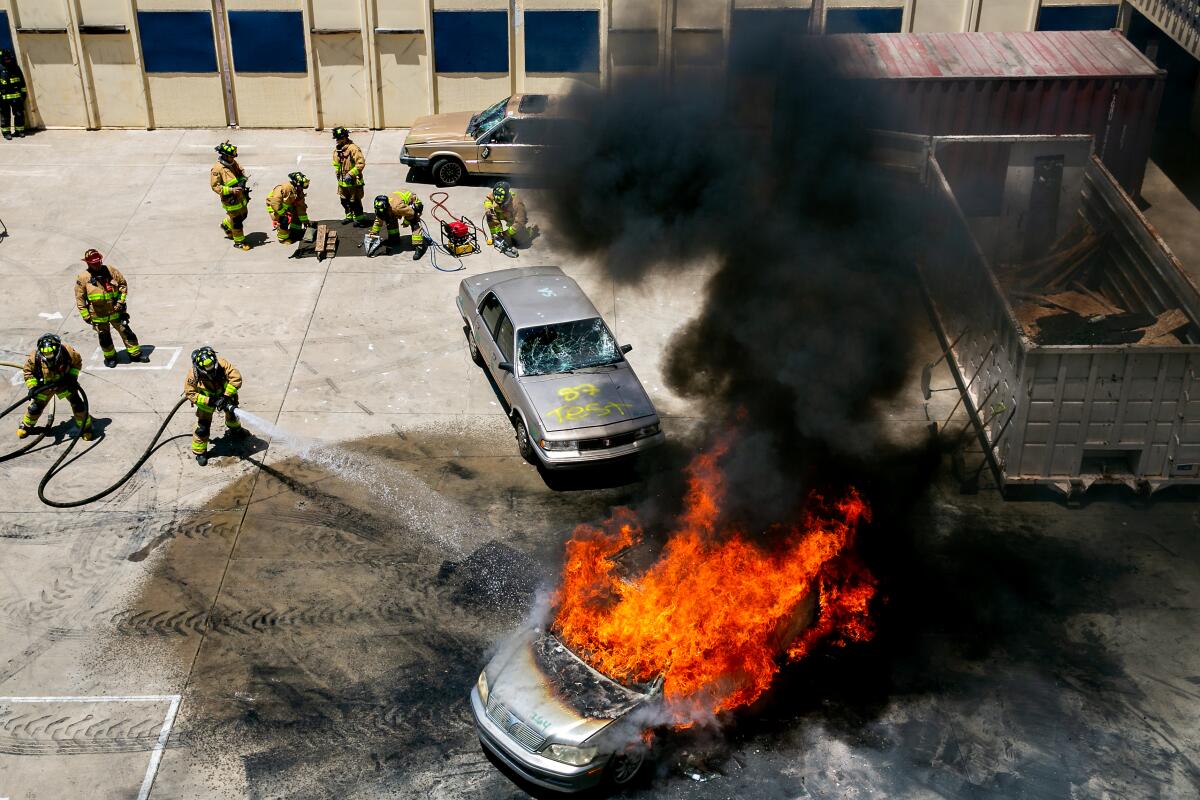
(485, 152)
(506, 366)
(625, 348)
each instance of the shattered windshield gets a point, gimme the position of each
(566, 347)
(484, 120)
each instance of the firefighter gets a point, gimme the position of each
(212, 385)
(403, 207)
(288, 209)
(506, 218)
(100, 292)
(53, 369)
(12, 95)
(229, 182)
(349, 163)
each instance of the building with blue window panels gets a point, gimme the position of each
(177, 41)
(562, 41)
(470, 41)
(1077, 18)
(383, 63)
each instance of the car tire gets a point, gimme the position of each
(624, 768)
(524, 443)
(447, 172)
(472, 346)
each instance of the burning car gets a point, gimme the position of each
(661, 637)
(503, 139)
(572, 397)
(561, 724)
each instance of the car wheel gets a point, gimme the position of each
(476, 356)
(624, 767)
(447, 172)
(524, 444)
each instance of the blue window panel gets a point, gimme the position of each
(757, 35)
(863, 20)
(562, 41)
(268, 41)
(470, 41)
(1077, 18)
(177, 41)
(5, 32)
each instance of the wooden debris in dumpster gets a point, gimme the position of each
(1163, 329)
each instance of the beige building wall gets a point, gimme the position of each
(370, 62)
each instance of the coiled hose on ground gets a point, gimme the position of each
(56, 467)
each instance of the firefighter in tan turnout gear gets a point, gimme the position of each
(349, 164)
(506, 218)
(53, 369)
(212, 385)
(229, 182)
(288, 208)
(403, 207)
(100, 296)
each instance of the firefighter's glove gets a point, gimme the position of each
(417, 206)
(34, 391)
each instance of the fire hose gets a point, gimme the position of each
(57, 466)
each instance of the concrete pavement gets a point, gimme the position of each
(277, 626)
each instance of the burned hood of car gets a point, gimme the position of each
(552, 690)
(451, 127)
(588, 398)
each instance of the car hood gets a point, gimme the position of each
(587, 399)
(450, 127)
(543, 692)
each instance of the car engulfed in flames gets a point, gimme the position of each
(701, 631)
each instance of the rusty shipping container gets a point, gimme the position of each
(1047, 82)
(1102, 403)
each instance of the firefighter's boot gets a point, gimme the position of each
(7, 135)
(419, 250)
(23, 430)
(240, 246)
(110, 361)
(202, 459)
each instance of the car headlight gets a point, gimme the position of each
(569, 444)
(482, 686)
(569, 754)
(649, 430)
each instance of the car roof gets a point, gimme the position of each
(543, 300)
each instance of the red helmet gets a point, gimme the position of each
(93, 258)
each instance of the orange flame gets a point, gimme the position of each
(715, 611)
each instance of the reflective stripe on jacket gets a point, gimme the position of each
(349, 162)
(222, 180)
(12, 82)
(225, 380)
(97, 296)
(287, 199)
(36, 374)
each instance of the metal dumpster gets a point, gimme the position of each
(1066, 415)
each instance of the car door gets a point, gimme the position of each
(503, 151)
(486, 318)
(496, 328)
(505, 343)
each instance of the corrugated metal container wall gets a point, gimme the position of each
(1063, 415)
(1063, 82)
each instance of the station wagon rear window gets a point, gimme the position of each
(566, 347)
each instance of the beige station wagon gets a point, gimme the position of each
(504, 139)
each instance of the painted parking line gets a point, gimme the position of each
(98, 359)
(156, 753)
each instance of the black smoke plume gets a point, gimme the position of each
(804, 332)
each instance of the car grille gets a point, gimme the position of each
(611, 441)
(527, 737)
